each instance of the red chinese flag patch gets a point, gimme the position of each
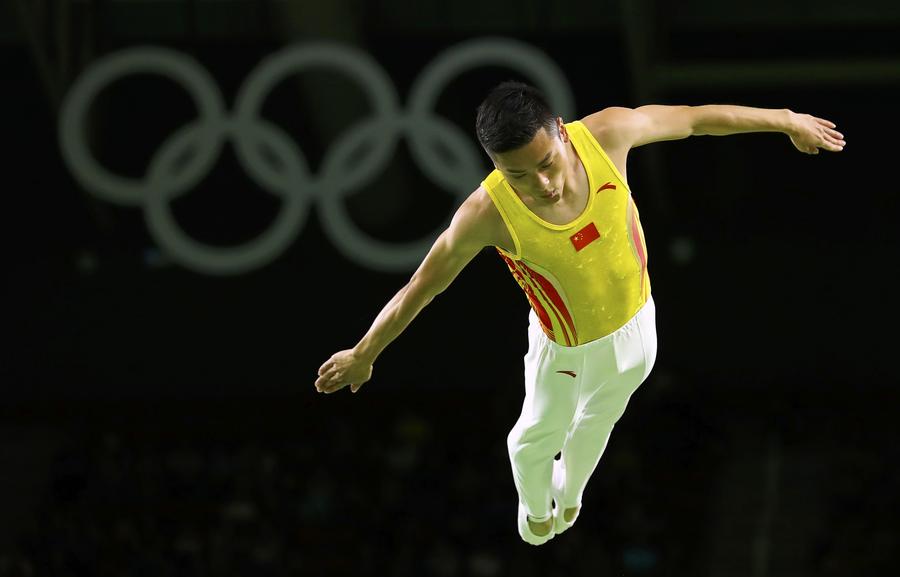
(585, 236)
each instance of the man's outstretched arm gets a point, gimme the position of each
(626, 128)
(451, 252)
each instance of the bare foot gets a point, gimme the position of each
(570, 513)
(542, 528)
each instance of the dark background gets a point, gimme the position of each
(158, 420)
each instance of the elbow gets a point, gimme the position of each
(421, 291)
(700, 122)
(688, 121)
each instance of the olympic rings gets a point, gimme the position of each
(201, 142)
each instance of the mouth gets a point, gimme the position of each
(551, 194)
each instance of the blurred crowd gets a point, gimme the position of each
(411, 492)
(409, 496)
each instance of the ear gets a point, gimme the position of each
(561, 128)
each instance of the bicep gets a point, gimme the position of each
(655, 123)
(625, 128)
(450, 253)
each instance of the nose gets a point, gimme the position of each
(543, 179)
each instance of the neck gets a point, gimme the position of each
(574, 167)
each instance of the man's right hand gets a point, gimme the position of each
(475, 225)
(342, 369)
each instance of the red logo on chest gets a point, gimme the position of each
(585, 236)
(607, 186)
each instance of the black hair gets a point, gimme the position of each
(510, 116)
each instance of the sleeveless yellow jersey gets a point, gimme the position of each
(587, 278)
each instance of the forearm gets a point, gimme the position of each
(722, 119)
(393, 320)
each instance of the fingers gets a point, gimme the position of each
(835, 139)
(831, 139)
(335, 374)
(333, 381)
(334, 385)
(329, 377)
(329, 384)
(832, 143)
(322, 383)
(333, 389)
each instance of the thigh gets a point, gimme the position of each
(552, 378)
(634, 345)
(617, 371)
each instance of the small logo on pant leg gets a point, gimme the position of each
(570, 373)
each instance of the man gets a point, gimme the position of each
(559, 211)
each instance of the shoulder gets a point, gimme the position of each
(614, 126)
(478, 220)
(478, 207)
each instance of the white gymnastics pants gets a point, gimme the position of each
(573, 398)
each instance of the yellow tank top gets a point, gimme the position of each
(587, 278)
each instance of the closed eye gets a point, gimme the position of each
(543, 167)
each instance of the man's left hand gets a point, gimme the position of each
(809, 133)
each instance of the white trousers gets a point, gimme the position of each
(573, 398)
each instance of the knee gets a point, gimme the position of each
(535, 441)
(604, 419)
(513, 442)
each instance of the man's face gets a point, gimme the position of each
(538, 168)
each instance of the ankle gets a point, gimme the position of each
(540, 528)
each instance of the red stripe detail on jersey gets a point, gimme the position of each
(539, 309)
(636, 238)
(557, 300)
(566, 331)
(585, 236)
(559, 319)
(607, 186)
